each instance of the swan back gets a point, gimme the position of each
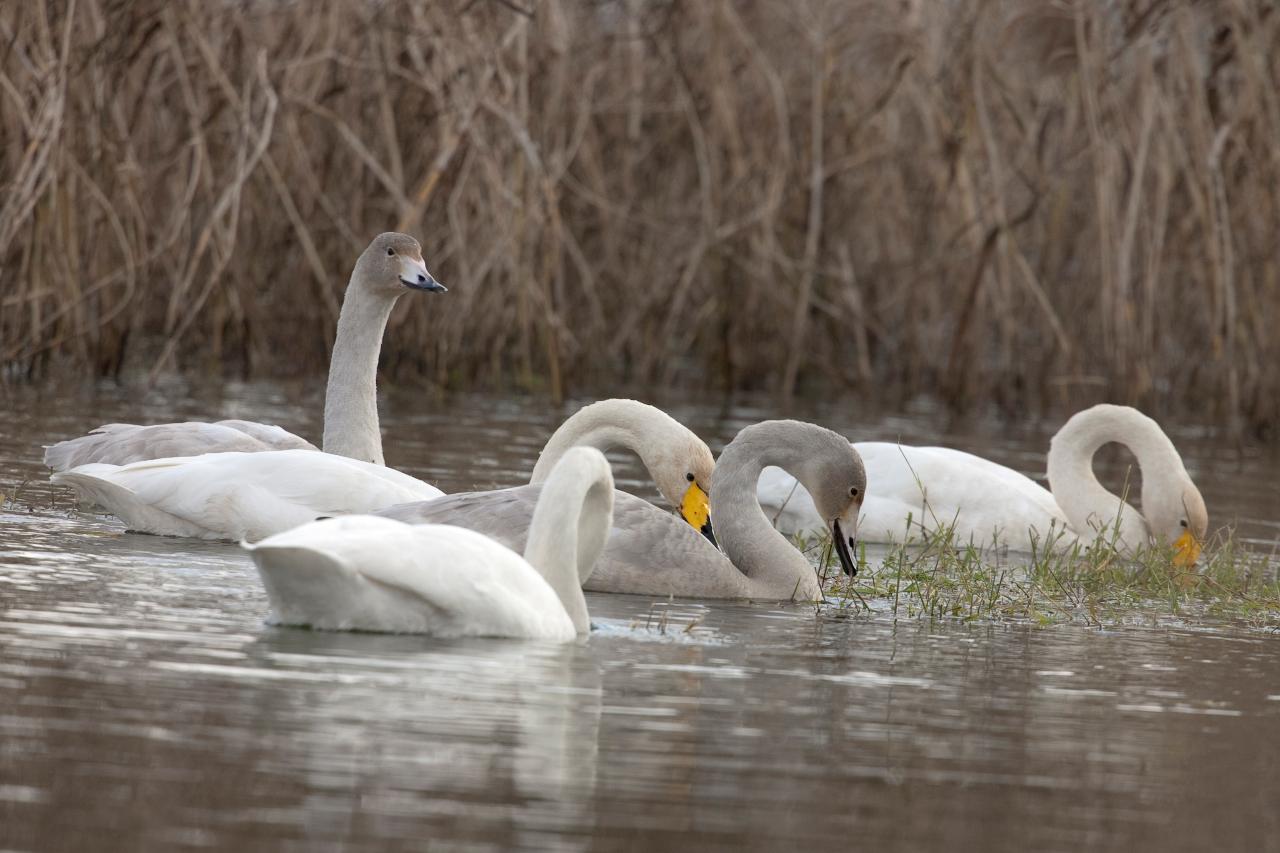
(241, 495)
(368, 573)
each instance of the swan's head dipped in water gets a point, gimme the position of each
(393, 263)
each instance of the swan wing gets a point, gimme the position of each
(242, 495)
(122, 444)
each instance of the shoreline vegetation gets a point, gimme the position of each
(1025, 206)
(936, 576)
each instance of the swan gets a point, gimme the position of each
(651, 552)
(679, 462)
(391, 265)
(374, 574)
(238, 496)
(991, 504)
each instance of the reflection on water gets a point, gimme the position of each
(144, 705)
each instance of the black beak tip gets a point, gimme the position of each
(709, 533)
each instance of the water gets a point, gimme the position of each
(145, 706)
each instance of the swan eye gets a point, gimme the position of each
(853, 492)
(689, 477)
(391, 253)
(1183, 522)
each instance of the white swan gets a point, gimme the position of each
(992, 504)
(375, 574)
(390, 265)
(651, 552)
(240, 495)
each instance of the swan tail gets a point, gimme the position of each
(319, 589)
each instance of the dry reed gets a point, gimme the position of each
(1010, 202)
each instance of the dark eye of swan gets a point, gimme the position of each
(391, 252)
(689, 477)
(1183, 522)
(853, 492)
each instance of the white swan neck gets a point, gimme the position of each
(1086, 502)
(570, 527)
(750, 542)
(351, 397)
(604, 425)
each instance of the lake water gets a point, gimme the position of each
(144, 705)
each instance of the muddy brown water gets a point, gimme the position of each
(145, 705)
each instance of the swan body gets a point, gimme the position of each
(933, 486)
(651, 552)
(390, 266)
(991, 504)
(240, 495)
(375, 574)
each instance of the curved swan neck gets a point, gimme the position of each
(570, 526)
(605, 425)
(351, 397)
(758, 550)
(1084, 500)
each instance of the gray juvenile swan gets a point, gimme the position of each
(390, 265)
(366, 573)
(653, 553)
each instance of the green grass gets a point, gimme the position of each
(938, 577)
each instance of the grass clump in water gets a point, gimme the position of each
(938, 576)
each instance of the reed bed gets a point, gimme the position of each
(997, 202)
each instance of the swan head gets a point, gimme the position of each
(833, 473)
(393, 263)
(681, 468)
(1176, 514)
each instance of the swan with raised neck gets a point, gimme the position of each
(391, 264)
(388, 267)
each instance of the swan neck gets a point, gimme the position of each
(760, 552)
(569, 529)
(1085, 501)
(351, 397)
(604, 426)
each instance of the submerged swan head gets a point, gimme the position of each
(393, 263)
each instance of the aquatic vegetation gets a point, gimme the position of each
(938, 577)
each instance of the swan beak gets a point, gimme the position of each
(696, 509)
(843, 545)
(1186, 550)
(414, 275)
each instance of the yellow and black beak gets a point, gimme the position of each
(696, 509)
(1186, 550)
(842, 544)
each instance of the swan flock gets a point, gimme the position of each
(342, 541)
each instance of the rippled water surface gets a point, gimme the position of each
(145, 706)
